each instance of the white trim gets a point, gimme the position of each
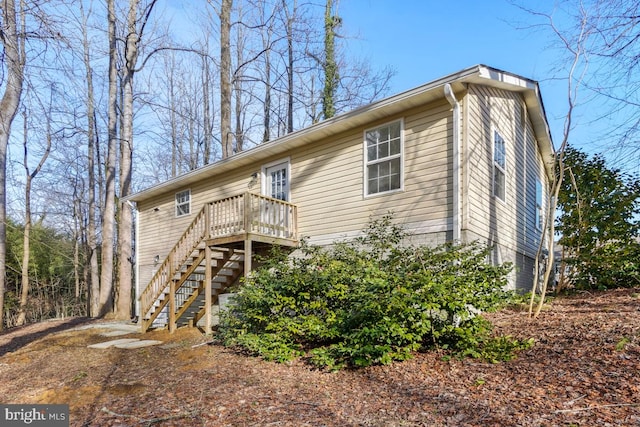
(137, 265)
(263, 176)
(365, 163)
(494, 131)
(538, 221)
(451, 97)
(525, 167)
(466, 215)
(175, 203)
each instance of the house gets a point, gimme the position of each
(466, 157)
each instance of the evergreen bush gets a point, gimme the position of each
(367, 301)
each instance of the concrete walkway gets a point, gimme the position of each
(116, 329)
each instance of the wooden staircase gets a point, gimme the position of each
(227, 265)
(211, 255)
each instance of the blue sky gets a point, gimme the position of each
(426, 39)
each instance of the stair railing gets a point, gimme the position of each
(188, 242)
(243, 213)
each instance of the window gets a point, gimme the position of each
(539, 219)
(276, 182)
(183, 203)
(383, 158)
(499, 165)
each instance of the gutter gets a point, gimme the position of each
(448, 93)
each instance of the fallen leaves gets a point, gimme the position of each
(577, 373)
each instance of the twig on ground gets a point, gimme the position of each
(592, 408)
(151, 421)
(115, 414)
(169, 417)
(571, 402)
(201, 344)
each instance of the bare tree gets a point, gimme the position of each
(109, 212)
(135, 31)
(14, 62)
(225, 78)
(330, 68)
(290, 61)
(92, 246)
(30, 175)
(577, 67)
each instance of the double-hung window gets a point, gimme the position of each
(499, 166)
(539, 220)
(383, 170)
(183, 203)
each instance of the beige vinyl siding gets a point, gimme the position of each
(534, 171)
(160, 230)
(496, 110)
(327, 180)
(509, 224)
(326, 183)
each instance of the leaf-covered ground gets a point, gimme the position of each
(584, 370)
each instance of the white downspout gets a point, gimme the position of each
(448, 93)
(136, 267)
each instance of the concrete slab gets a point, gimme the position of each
(138, 344)
(111, 343)
(121, 327)
(115, 333)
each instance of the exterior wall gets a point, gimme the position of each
(158, 227)
(508, 224)
(327, 185)
(328, 180)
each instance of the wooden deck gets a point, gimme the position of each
(238, 222)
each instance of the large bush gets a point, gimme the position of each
(366, 301)
(599, 223)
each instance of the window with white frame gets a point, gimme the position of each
(539, 219)
(183, 203)
(499, 166)
(383, 169)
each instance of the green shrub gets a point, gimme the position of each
(367, 301)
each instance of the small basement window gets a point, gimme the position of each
(183, 203)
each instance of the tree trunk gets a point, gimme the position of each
(330, 66)
(93, 287)
(125, 223)
(290, 64)
(206, 112)
(14, 60)
(225, 79)
(108, 215)
(26, 252)
(237, 88)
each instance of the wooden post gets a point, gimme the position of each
(247, 256)
(247, 212)
(207, 290)
(207, 270)
(172, 306)
(247, 231)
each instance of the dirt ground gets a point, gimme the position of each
(584, 370)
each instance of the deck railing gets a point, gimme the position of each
(238, 215)
(253, 213)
